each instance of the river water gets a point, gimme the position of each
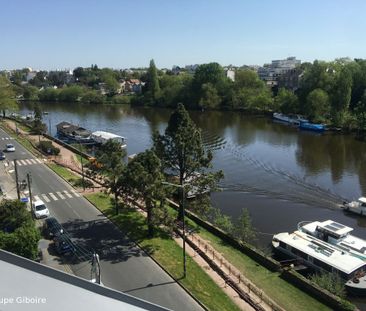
(282, 175)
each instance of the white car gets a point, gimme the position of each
(10, 148)
(40, 210)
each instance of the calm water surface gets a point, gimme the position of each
(282, 175)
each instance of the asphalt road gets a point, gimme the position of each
(124, 266)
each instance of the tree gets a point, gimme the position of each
(37, 126)
(144, 176)
(341, 96)
(18, 233)
(317, 106)
(13, 214)
(209, 98)
(243, 228)
(181, 152)
(152, 93)
(7, 101)
(287, 101)
(110, 157)
(30, 92)
(360, 112)
(207, 73)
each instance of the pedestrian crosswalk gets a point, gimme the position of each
(58, 195)
(6, 138)
(26, 162)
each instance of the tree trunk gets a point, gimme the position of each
(180, 191)
(116, 202)
(150, 227)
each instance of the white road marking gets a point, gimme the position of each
(28, 161)
(33, 161)
(67, 194)
(18, 163)
(53, 196)
(36, 198)
(60, 195)
(38, 160)
(46, 198)
(77, 194)
(23, 162)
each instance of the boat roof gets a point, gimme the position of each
(347, 240)
(329, 226)
(322, 251)
(362, 199)
(106, 135)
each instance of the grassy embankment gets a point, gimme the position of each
(285, 294)
(167, 252)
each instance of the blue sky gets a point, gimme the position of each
(51, 34)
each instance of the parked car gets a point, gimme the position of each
(52, 228)
(10, 148)
(63, 245)
(2, 155)
(40, 210)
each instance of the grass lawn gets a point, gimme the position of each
(63, 172)
(285, 294)
(168, 253)
(282, 292)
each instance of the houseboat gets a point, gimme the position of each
(101, 137)
(324, 257)
(358, 207)
(73, 133)
(336, 234)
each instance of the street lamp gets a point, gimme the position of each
(183, 224)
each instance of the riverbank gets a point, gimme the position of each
(306, 301)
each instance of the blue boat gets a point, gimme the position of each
(312, 127)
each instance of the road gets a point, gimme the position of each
(124, 266)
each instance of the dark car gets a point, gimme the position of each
(2, 155)
(63, 245)
(52, 228)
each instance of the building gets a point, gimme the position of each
(230, 73)
(191, 68)
(29, 285)
(270, 73)
(133, 86)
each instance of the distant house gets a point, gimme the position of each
(191, 68)
(230, 73)
(133, 86)
(30, 75)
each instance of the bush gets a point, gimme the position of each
(47, 147)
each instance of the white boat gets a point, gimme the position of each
(294, 119)
(358, 207)
(101, 137)
(336, 234)
(325, 257)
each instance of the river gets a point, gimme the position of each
(282, 175)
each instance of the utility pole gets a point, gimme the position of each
(16, 177)
(82, 167)
(29, 180)
(49, 123)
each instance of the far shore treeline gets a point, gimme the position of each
(329, 92)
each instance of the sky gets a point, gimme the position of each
(58, 34)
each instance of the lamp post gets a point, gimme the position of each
(183, 223)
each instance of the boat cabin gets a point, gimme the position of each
(318, 254)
